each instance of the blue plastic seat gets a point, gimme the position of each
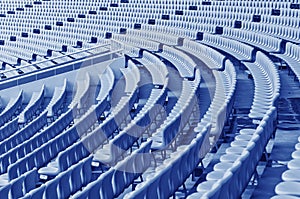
(51, 189)
(38, 192)
(31, 179)
(4, 191)
(64, 188)
(17, 187)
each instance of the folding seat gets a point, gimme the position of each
(64, 185)
(31, 180)
(87, 171)
(288, 188)
(17, 187)
(38, 158)
(284, 197)
(4, 191)
(119, 180)
(294, 164)
(51, 189)
(77, 177)
(163, 180)
(220, 188)
(13, 171)
(291, 175)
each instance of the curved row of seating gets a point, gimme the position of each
(25, 133)
(290, 178)
(19, 186)
(138, 42)
(262, 41)
(106, 84)
(118, 146)
(36, 140)
(237, 49)
(182, 62)
(170, 176)
(33, 106)
(166, 135)
(11, 108)
(234, 161)
(234, 31)
(61, 186)
(31, 146)
(232, 174)
(81, 93)
(74, 152)
(223, 95)
(182, 180)
(156, 36)
(156, 67)
(212, 58)
(291, 57)
(113, 182)
(267, 85)
(8, 129)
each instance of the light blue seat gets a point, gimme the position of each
(284, 197)
(288, 188)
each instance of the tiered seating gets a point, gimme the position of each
(74, 152)
(32, 107)
(62, 186)
(35, 141)
(250, 144)
(8, 129)
(231, 175)
(182, 62)
(169, 176)
(264, 42)
(291, 57)
(153, 34)
(19, 186)
(267, 85)
(11, 108)
(211, 57)
(112, 183)
(239, 50)
(166, 135)
(138, 42)
(156, 67)
(290, 178)
(156, 36)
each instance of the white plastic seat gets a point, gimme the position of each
(289, 188)
(291, 175)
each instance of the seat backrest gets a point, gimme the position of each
(17, 187)
(31, 179)
(51, 190)
(4, 191)
(38, 192)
